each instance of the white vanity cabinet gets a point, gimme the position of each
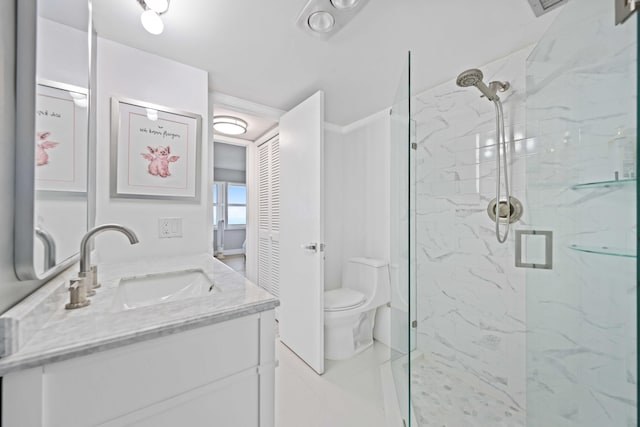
(217, 375)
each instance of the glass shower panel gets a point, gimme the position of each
(402, 265)
(581, 110)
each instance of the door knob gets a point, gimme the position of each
(310, 247)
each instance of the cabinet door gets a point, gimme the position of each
(230, 402)
(220, 375)
(108, 385)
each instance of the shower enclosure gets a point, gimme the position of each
(539, 331)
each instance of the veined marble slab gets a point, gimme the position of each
(471, 298)
(64, 334)
(26, 318)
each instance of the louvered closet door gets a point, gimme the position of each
(275, 216)
(264, 219)
(269, 216)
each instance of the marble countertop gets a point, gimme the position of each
(48, 333)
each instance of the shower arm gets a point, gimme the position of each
(488, 91)
(491, 91)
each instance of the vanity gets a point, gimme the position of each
(190, 355)
(166, 340)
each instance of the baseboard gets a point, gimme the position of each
(230, 252)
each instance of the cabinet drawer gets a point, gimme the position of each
(94, 389)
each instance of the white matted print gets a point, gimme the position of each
(61, 137)
(155, 151)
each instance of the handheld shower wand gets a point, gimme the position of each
(510, 210)
(474, 77)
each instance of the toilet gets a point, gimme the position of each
(349, 311)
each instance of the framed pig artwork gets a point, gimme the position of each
(155, 151)
(61, 137)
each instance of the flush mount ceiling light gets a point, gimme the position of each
(150, 18)
(344, 4)
(152, 114)
(80, 99)
(540, 7)
(321, 22)
(229, 125)
(158, 6)
(323, 18)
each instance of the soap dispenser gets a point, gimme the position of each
(622, 155)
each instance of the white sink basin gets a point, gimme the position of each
(157, 288)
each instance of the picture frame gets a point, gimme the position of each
(62, 131)
(155, 151)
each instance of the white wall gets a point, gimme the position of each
(131, 73)
(62, 54)
(333, 207)
(357, 197)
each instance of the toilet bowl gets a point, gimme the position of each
(349, 311)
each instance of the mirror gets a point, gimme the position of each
(54, 63)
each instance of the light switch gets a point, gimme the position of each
(169, 227)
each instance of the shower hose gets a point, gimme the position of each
(501, 146)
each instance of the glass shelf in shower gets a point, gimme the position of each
(605, 250)
(604, 184)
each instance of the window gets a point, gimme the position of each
(230, 204)
(236, 204)
(215, 205)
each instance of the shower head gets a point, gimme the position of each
(473, 77)
(469, 78)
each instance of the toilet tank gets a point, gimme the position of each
(369, 276)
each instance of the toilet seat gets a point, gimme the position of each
(343, 299)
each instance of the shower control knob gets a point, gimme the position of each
(512, 210)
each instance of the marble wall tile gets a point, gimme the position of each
(471, 301)
(557, 344)
(581, 316)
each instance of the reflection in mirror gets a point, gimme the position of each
(61, 172)
(54, 65)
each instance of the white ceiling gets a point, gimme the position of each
(253, 49)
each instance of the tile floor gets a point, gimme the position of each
(442, 399)
(348, 394)
(236, 262)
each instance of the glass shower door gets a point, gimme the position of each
(402, 262)
(581, 186)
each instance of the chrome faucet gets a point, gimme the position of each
(49, 247)
(87, 280)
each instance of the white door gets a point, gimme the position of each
(301, 316)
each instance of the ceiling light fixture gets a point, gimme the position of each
(158, 6)
(152, 114)
(324, 18)
(321, 22)
(150, 18)
(344, 4)
(229, 125)
(80, 99)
